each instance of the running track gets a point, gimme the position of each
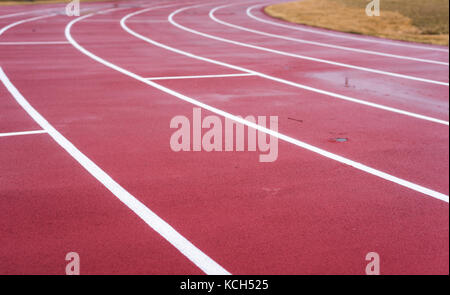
(98, 176)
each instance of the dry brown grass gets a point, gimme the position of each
(408, 20)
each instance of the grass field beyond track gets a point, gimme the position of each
(407, 20)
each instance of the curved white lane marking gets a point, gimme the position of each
(324, 153)
(297, 85)
(307, 57)
(213, 17)
(337, 35)
(195, 255)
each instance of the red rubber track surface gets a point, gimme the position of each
(302, 214)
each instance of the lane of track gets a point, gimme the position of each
(47, 215)
(50, 206)
(215, 199)
(12, 118)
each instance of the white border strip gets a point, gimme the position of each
(283, 137)
(195, 255)
(200, 77)
(297, 85)
(296, 55)
(22, 132)
(337, 35)
(214, 18)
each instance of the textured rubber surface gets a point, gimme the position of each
(302, 214)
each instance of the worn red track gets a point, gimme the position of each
(302, 214)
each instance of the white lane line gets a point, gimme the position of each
(199, 77)
(297, 85)
(359, 166)
(35, 43)
(306, 57)
(213, 17)
(343, 35)
(22, 132)
(189, 250)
